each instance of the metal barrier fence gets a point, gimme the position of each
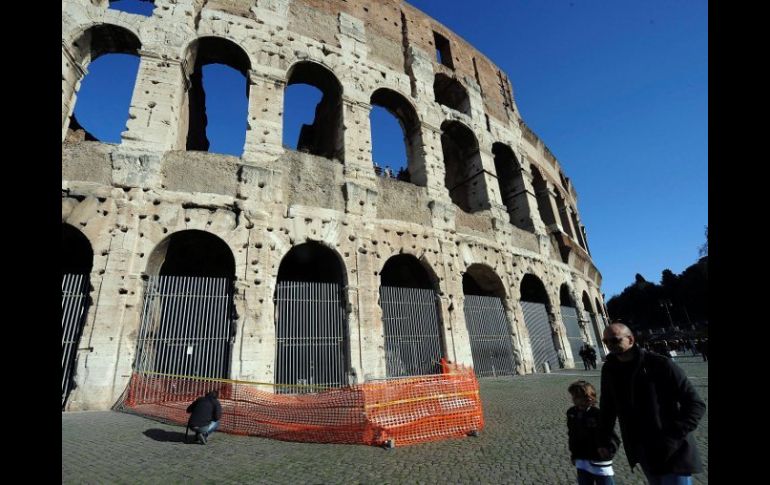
(311, 332)
(186, 327)
(540, 335)
(490, 336)
(572, 325)
(74, 302)
(412, 337)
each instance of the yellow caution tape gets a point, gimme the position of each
(416, 399)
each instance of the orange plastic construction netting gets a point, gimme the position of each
(392, 412)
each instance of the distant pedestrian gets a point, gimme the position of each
(205, 415)
(585, 437)
(657, 406)
(591, 356)
(584, 355)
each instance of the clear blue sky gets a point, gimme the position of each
(616, 89)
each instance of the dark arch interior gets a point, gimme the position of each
(449, 92)
(482, 281)
(311, 261)
(565, 299)
(405, 271)
(463, 171)
(599, 309)
(587, 303)
(532, 289)
(198, 253)
(77, 257)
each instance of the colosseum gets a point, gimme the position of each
(308, 266)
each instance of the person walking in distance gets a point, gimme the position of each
(657, 406)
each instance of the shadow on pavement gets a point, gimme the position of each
(163, 435)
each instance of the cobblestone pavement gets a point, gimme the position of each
(524, 442)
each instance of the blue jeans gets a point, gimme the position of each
(210, 428)
(586, 478)
(665, 479)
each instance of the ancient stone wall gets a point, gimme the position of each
(129, 198)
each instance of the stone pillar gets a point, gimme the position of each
(156, 117)
(264, 134)
(367, 332)
(526, 214)
(358, 142)
(72, 73)
(561, 342)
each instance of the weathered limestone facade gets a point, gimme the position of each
(128, 198)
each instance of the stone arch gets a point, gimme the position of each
(543, 196)
(486, 319)
(571, 320)
(449, 92)
(89, 44)
(561, 206)
(403, 110)
(325, 137)
(188, 316)
(464, 174)
(311, 321)
(511, 183)
(199, 53)
(537, 310)
(414, 342)
(191, 252)
(77, 263)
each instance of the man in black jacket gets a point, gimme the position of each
(657, 406)
(205, 415)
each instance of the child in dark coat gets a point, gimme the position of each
(585, 437)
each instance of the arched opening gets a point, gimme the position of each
(77, 262)
(139, 7)
(413, 341)
(563, 216)
(569, 318)
(488, 327)
(324, 135)
(217, 99)
(388, 152)
(511, 185)
(543, 198)
(451, 93)
(188, 316)
(100, 108)
(595, 321)
(464, 174)
(311, 320)
(534, 306)
(578, 231)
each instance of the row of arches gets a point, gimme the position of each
(188, 313)
(464, 175)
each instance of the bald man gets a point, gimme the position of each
(656, 405)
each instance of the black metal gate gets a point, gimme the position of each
(490, 336)
(311, 332)
(540, 335)
(186, 327)
(412, 336)
(597, 326)
(74, 303)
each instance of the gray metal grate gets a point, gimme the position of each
(540, 335)
(311, 332)
(490, 336)
(74, 301)
(412, 338)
